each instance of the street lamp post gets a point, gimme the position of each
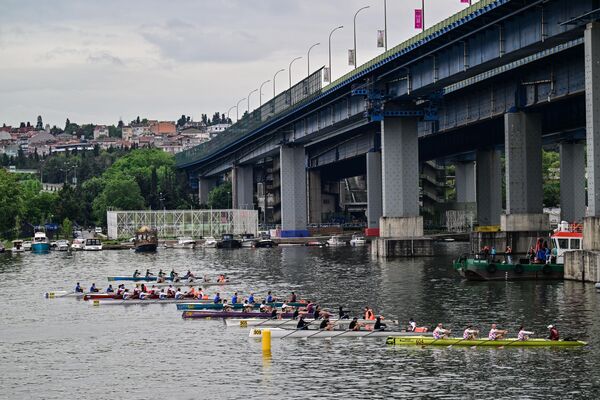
(359, 10)
(275, 76)
(385, 23)
(260, 92)
(290, 69)
(228, 111)
(250, 94)
(308, 56)
(331, 33)
(237, 109)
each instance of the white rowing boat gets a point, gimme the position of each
(133, 302)
(308, 334)
(196, 283)
(291, 324)
(62, 293)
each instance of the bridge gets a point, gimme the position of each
(487, 87)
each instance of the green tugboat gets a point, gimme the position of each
(473, 268)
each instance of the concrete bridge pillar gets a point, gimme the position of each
(465, 182)
(572, 181)
(242, 183)
(400, 179)
(315, 197)
(374, 199)
(293, 191)
(205, 185)
(489, 187)
(524, 186)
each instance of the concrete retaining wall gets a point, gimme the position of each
(582, 265)
(388, 248)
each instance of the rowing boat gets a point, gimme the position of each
(62, 293)
(182, 282)
(114, 296)
(299, 333)
(236, 306)
(426, 341)
(135, 302)
(200, 283)
(210, 314)
(269, 323)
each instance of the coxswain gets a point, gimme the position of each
(110, 289)
(469, 333)
(251, 298)
(269, 297)
(302, 324)
(199, 293)
(178, 294)
(295, 313)
(354, 325)
(440, 333)
(191, 293)
(293, 297)
(136, 274)
(93, 288)
(217, 298)
(523, 335)
(379, 326)
(343, 314)
(149, 274)
(412, 325)
(553, 333)
(496, 334)
(325, 324)
(78, 288)
(234, 298)
(369, 315)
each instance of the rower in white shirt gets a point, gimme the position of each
(523, 334)
(440, 333)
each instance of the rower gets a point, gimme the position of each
(174, 276)
(110, 289)
(227, 307)
(178, 294)
(269, 297)
(470, 333)
(302, 324)
(192, 292)
(496, 334)
(523, 335)
(440, 333)
(120, 290)
(162, 295)
(316, 312)
(127, 295)
(553, 333)
(78, 288)
(222, 279)
(369, 315)
(199, 293)
(379, 326)
(189, 276)
(136, 274)
(234, 298)
(295, 313)
(143, 295)
(325, 324)
(354, 325)
(217, 298)
(263, 307)
(251, 298)
(161, 274)
(247, 306)
(143, 288)
(343, 314)
(310, 308)
(293, 297)
(93, 288)
(170, 291)
(149, 274)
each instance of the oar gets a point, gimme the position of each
(299, 329)
(425, 345)
(450, 346)
(515, 340)
(319, 331)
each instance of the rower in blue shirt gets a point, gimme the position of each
(234, 298)
(251, 298)
(136, 274)
(93, 288)
(269, 297)
(110, 289)
(78, 288)
(217, 298)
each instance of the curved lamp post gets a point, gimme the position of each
(260, 92)
(290, 69)
(331, 33)
(250, 94)
(359, 10)
(308, 56)
(237, 109)
(275, 76)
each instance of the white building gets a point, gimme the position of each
(100, 130)
(214, 130)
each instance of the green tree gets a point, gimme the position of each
(10, 203)
(119, 193)
(220, 197)
(67, 228)
(40, 125)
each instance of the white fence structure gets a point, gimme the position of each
(459, 220)
(175, 223)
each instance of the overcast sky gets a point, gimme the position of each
(97, 61)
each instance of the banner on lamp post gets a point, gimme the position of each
(381, 38)
(351, 57)
(466, 1)
(418, 18)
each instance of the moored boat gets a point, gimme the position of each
(324, 334)
(316, 243)
(567, 237)
(358, 240)
(2, 249)
(78, 244)
(265, 242)
(248, 240)
(478, 269)
(92, 245)
(27, 245)
(236, 306)
(185, 243)
(40, 243)
(62, 245)
(146, 240)
(430, 341)
(210, 242)
(17, 246)
(228, 242)
(336, 241)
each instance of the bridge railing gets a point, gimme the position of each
(282, 104)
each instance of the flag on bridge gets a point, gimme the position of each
(351, 57)
(418, 18)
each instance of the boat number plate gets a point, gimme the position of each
(257, 332)
(243, 324)
(419, 341)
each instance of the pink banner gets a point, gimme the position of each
(418, 18)
(466, 1)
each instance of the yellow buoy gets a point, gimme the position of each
(266, 340)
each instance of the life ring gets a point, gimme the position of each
(519, 269)
(546, 269)
(492, 268)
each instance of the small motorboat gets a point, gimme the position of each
(337, 241)
(62, 245)
(316, 243)
(92, 245)
(228, 242)
(358, 240)
(185, 243)
(248, 240)
(78, 244)
(146, 240)
(41, 244)
(27, 245)
(210, 242)
(17, 246)
(265, 242)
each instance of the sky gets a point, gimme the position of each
(99, 61)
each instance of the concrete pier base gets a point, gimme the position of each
(524, 222)
(401, 227)
(582, 265)
(408, 247)
(591, 233)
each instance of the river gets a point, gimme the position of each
(65, 348)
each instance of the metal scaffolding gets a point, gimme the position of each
(176, 223)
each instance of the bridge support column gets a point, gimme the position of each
(465, 182)
(315, 197)
(401, 226)
(293, 192)
(205, 185)
(242, 183)
(374, 200)
(524, 220)
(489, 187)
(572, 182)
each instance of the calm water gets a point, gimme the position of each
(59, 348)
